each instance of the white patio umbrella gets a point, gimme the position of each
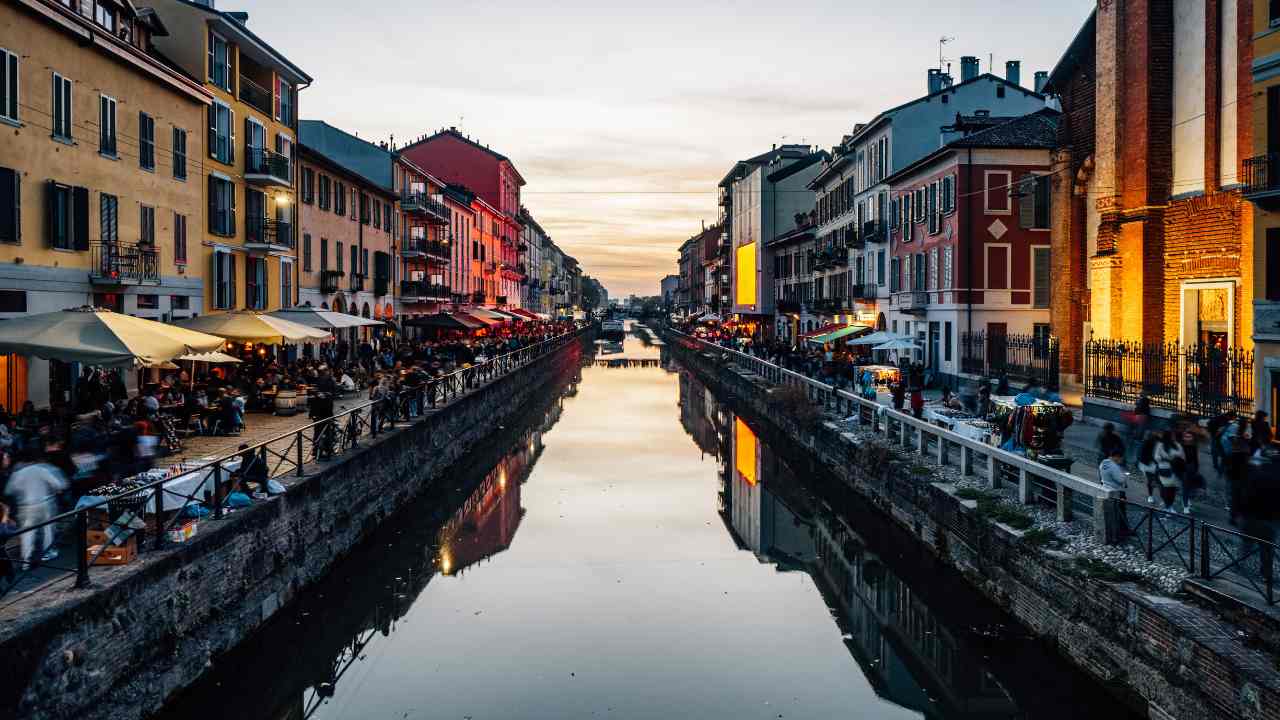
(95, 336)
(324, 319)
(248, 326)
(876, 338)
(897, 345)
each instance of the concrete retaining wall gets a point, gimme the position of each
(1163, 655)
(121, 650)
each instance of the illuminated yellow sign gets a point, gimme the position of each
(744, 450)
(745, 269)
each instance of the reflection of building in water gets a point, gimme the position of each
(776, 528)
(910, 656)
(701, 415)
(487, 522)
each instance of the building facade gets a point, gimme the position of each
(101, 199)
(248, 158)
(970, 263)
(532, 240)
(426, 251)
(1261, 177)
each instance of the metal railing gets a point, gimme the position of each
(910, 300)
(423, 290)
(285, 455)
(124, 264)
(256, 95)
(330, 280)
(1203, 379)
(1260, 174)
(1036, 483)
(268, 231)
(1023, 358)
(261, 161)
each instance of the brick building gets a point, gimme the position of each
(1150, 230)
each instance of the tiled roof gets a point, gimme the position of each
(1036, 130)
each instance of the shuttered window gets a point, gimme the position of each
(109, 218)
(10, 206)
(1033, 202)
(1040, 271)
(61, 107)
(219, 62)
(8, 85)
(224, 280)
(179, 239)
(146, 142)
(306, 252)
(222, 206)
(222, 134)
(179, 154)
(324, 254)
(147, 225)
(107, 125)
(67, 213)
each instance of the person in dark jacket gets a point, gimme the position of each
(1261, 430)
(1109, 442)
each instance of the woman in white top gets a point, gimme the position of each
(1171, 462)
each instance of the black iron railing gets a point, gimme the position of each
(268, 231)
(330, 280)
(1021, 358)
(124, 264)
(424, 290)
(261, 161)
(256, 95)
(863, 291)
(286, 455)
(1204, 380)
(1261, 174)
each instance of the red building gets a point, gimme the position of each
(969, 230)
(492, 177)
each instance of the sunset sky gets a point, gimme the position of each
(622, 119)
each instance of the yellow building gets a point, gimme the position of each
(101, 199)
(249, 253)
(1261, 178)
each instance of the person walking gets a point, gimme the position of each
(1110, 442)
(1192, 479)
(1237, 448)
(35, 485)
(1260, 430)
(1139, 419)
(917, 402)
(1216, 453)
(1147, 466)
(1170, 465)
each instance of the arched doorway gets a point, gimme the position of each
(364, 312)
(880, 322)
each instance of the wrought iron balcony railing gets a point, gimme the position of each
(264, 167)
(124, 264)
(1262, 176)
(420, 291)
(256, 95)
(268, 232)
(330, 280)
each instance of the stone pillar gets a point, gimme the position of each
(1024, 487)
(1064, 503)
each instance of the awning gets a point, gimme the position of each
(442, 320)
(474, 319)
(319, 318)
(838, 333)
(829, 327)
(877, 338)
(211, 357)
(508, 315)
(486, 314)
(524, 314)
(100, 337)
(248, 326)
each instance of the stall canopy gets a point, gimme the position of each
(443, 321)
(839, 333)
(210, 357)
(474, 320)
(829, 327)
(897, 345)
(251, 327)
(323, 319)
(100, 337)
(877, 338)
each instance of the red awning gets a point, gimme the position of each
(523, 313)
(829, 327)
(473, 320)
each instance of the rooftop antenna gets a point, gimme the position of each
(942, 41)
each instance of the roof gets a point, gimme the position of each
(888, 114)
(235, 25)
(459, 194)
(797, 234)
(453, 132)
(1037, 131)
(1082, 46)
(764, 158)
(358, 157)
(318, 157)
(795, 167)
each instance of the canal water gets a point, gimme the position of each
(636, 550)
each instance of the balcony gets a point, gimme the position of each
(864, 291)
(355, 282)
(381, 286)
(1262, 180)
(268, 235)
(330, 281)
(423, 291)
(477, 297)
(421, 247)
(257, 96)
(912, 301)
(873, 231)
(124, 264)
(789, 306)
(266, 168)
(491, 267)
(419, 203)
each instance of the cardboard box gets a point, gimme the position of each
(113, 554)
(184, 532)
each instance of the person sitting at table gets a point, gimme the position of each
(346, 382)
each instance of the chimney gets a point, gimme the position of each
(1042, 79)
(935, 80)
(968, 68)
(1013, 72)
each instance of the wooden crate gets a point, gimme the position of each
(113, 554)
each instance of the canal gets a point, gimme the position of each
(634, 549)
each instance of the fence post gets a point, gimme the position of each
(1204, 550)
(1064, 503)
(160, 516)
(217, 489)
(299, 442)
(942, 451)
(993, 474)
(82, 548)
(1151, 522)
(966, 461)
(1024, 486)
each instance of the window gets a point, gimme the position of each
(948, 193)
(222, 206)
(148, 302)
(306, 252)
(999, 90)
(1273, 13)
(324, 192)
(1271, 280)
(935, 214)
(224, 280)
(996, 192)
(880, 268)
(364, 262)
(1033, 202)
(109, 218)
(946, 267)
(219, 62)
(308, 185)
(340, 199)
(10, 206)
(68, 213)
(355, 263)
(895, 274)
(1041, 275)
(284, 148)
(255, 283)
(104, 16)
(146, 142)
(222, 133)
(337, 253)
(8, 86)
(946, 341)
(286, 283)
(284, 102)
(997, 267)
(179, 239)
(179, 302)
(147, 225)
(107, 125)
(179, 154)
(61, 107)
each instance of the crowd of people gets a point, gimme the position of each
(51, 456)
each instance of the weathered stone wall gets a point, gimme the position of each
(1157, 653)
(121, 650)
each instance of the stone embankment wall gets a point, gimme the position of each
(122, 649)
(1165, 656)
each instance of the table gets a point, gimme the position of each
(881, 374)
(178, 488)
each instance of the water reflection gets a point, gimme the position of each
(903, 642)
